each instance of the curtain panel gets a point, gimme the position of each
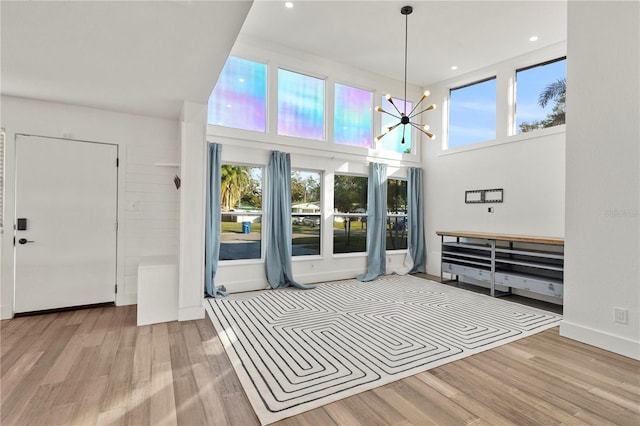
(376, 223)
(278, 223)
(415, 220)
(212, 221)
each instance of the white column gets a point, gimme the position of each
(193, 125)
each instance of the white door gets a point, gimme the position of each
(65, 250)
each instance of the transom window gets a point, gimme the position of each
(352, 116)
(541, 95)
(472, 113)
(300, 105)
(239, 99)
(393, 140)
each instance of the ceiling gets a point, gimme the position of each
(140, 57)
(370, 35)
(146, 57)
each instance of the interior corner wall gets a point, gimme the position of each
(148, 203)
(602, 249)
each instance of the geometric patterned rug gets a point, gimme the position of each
(295, 350)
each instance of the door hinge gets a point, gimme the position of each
(116, 226)
(117, 162)
(116, 288)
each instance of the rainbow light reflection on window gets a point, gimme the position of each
(352, 116)
(393, 140)
(239, 99)
(300, 105)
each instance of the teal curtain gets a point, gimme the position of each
(376, 223)
(415, 220)
(212, 221)
(278, 223)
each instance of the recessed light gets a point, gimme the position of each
(288, 5)
(454, 67)
(533, 38)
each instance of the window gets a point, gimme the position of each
(350, 217)
(239, 99)
(541, 95)
(472, 113)
(300, 105)
(396, 214)
(306, 213)
(393, 140)
(241, 206)
(352, 116)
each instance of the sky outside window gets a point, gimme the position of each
(530, 83)
(472, 114)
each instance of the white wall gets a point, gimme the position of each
(148, 201)
(529, 167)
(603, 179)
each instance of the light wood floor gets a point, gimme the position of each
(94, 366)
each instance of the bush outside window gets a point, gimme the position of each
(306, 212)
(350, 214)
(396, 214)
(241, 211)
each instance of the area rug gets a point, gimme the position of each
(295, 350)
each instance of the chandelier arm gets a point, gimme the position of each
(388, 113)
(416, 106)
(429, 135)
(390, 100)
(393, 127)
(429, 108)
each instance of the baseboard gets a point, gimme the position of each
(126, 299)
(600, 339)
(6, 312)
(320, 277)
(192, 313)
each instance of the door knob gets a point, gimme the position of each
(25, 241)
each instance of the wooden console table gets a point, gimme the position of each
(529, 263)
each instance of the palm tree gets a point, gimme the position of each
(556, 91)
(234, 179)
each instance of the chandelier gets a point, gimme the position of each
(404, 118)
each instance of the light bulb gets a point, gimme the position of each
(379, 109)
(426, 93)
(426, 127)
